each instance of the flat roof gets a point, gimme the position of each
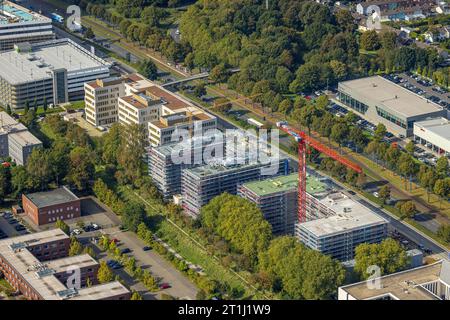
(349, 215)
(61, 265)
(52, 197)
(45, 283)
(13, 13)
(405, 285)
(22, 67)
(25, 138)
(386, 93)
(283, 184)
(9, 124)
(438, 126)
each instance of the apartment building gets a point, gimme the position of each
(18, 24)
(15, 140)
(138, 108)
(348, 225)
(398, 9)
(200, 184)
(429, 282)
(49, 206)
(55, 71)
(277, 197)
(101, 100)
(38, 266)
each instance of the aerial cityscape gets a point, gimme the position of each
(217, 150)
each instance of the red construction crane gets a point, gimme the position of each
(303, 139)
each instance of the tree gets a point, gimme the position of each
(75, 247)
(63, 226)
(380, 132)
(388, 255)
(39, 169)
(133, 215)
(410, 147)
(45, 105)
(200, 90)
(370, 41)
(444, 232)
(339, 133)
(136, 296)
(104, 274)
(219, 73)
(81, 168)
(8, 109)
(384, 193)
(5, 182)
(441, 188)
(407, 209)
(148, 69)
(442, 167)
(89, 33)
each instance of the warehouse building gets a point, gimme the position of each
(278, 200)
(429, 282)
(200, 184)
(348, 225)
(49, 206)
(15, 140)
(379, 100)
(54, 71)
(434, 134)
(38, 266)
(18, 24)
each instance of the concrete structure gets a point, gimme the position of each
(101, 100)
(278, 198)
(379, 100)
(434, 134)
(200, 184)
(18, 24)
(348, 225)
(138, 108)
(54, 71)
(15, 140)
(37, 265)
(397, 9)
(166, 173)
(50, 206)
(430, 282)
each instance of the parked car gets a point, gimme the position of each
(125, 250)
(147, 248)
(164, 286)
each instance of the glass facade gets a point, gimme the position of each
(353, 103)
(394, 119)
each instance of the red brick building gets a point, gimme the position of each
(49, 206)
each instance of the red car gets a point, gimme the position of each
(164, 286)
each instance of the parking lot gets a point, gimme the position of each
(11, 226)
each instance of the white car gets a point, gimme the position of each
(376, 194)
(76, 231)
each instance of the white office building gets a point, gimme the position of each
(434, 134)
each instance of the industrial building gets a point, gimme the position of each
(429, 282)
(15, 140)
(379, 100)
(349, 224)
(38, 266)
(434, 134)
(278, 200)
(18, 24)
(200, 184)
(53, 71)
(49, 206)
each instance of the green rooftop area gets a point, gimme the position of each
(285, 183)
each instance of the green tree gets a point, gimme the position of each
(81, 168)
(8, 109)
(442, 167)
(388, 255)
(384, 193)
(75, 247)
(407, 209)
(200, 90)
(380, 132)
(133, 215)
(444, 233)
(63, 226)
(441, 188)
(370, 41)
(136, 296)
(148, 69)
(410, 147)
(104, 274)
(89, 33)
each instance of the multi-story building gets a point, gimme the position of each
(278, 200)
(54, 71)
(101, 100)
(429, 282)
(50, 206)
(379, 100)
(138, 108)
(434, 134)
(200, 184)
(18, 24)
(397, 9)
(38, 266)
(166, 171)
(15, 140)
(348, 225)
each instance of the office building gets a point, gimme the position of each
(138, 108)
(429, 282)
(166, 171)
(18, 24)
(200, 184)
(277, 198)
(49, 206)
(38, 266)
(15, 140)
(434, 134)
(101, 100)
(379, 100)
(348, 225)
(54, 71)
